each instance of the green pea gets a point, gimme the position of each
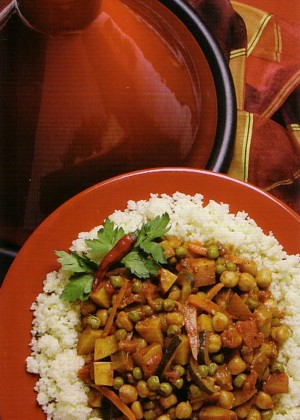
(179, 369)
(180, 252)
(173, 330)
(203, 371)
(218, 358)
(252, 303)
(137, 286)
(266, 414)
(169, 304)
(137, 373)
(209, 242)
(220, 268)
(116, 281)
(275, 322)
(194, 391)
(239, 380)
(231, 266)
(213, 252)
(158, 304)
(134, 316)
(153, 382)
(165, 388)
(178, 383)
(118, 382)
(147, 310)
(93, 322)
(121, 334)
(212, 369)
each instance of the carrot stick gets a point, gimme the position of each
(206, 305)
(114, 309)
(116, 401)
(214, 290)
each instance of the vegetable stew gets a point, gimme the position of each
(196, 339)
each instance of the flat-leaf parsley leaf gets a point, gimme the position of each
(144, 260)
(107, 237)
(78, 288)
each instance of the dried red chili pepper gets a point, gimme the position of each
(121, 248)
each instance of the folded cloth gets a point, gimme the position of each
(263, 54)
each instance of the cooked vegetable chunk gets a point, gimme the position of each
(105, 346)
(103, 373)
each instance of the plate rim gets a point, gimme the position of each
(149, 171)
(7, 288)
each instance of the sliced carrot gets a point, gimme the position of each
(116, 401)
(206, 305)
(238, 308)
(110, 320)
(252, 338)
(214, 290)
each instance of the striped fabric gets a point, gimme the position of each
(263, 53)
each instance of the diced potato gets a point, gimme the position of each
(122, 361)
(149, 358)
(103, 373)
(105, 346)
(168, 250)
(167, 279)
(86, 341)
(150, 330)
(202, 269)
(183, 351)
(101, 297)
(204, 323)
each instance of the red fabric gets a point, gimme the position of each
(272, 95)
(277, 167)
(226, 25)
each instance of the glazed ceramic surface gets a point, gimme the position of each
(135, 88)
(86, 210)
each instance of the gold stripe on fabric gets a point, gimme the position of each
(282, 95)
(237, 65)
(239, 167)
(294, 131)
(255, 19)
(237, 53)
(278, 43)
(294, 127)
(288, 181)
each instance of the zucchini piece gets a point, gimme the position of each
(168, 355)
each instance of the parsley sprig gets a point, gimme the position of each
(143, 261)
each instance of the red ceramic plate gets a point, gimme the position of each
(86, 210)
